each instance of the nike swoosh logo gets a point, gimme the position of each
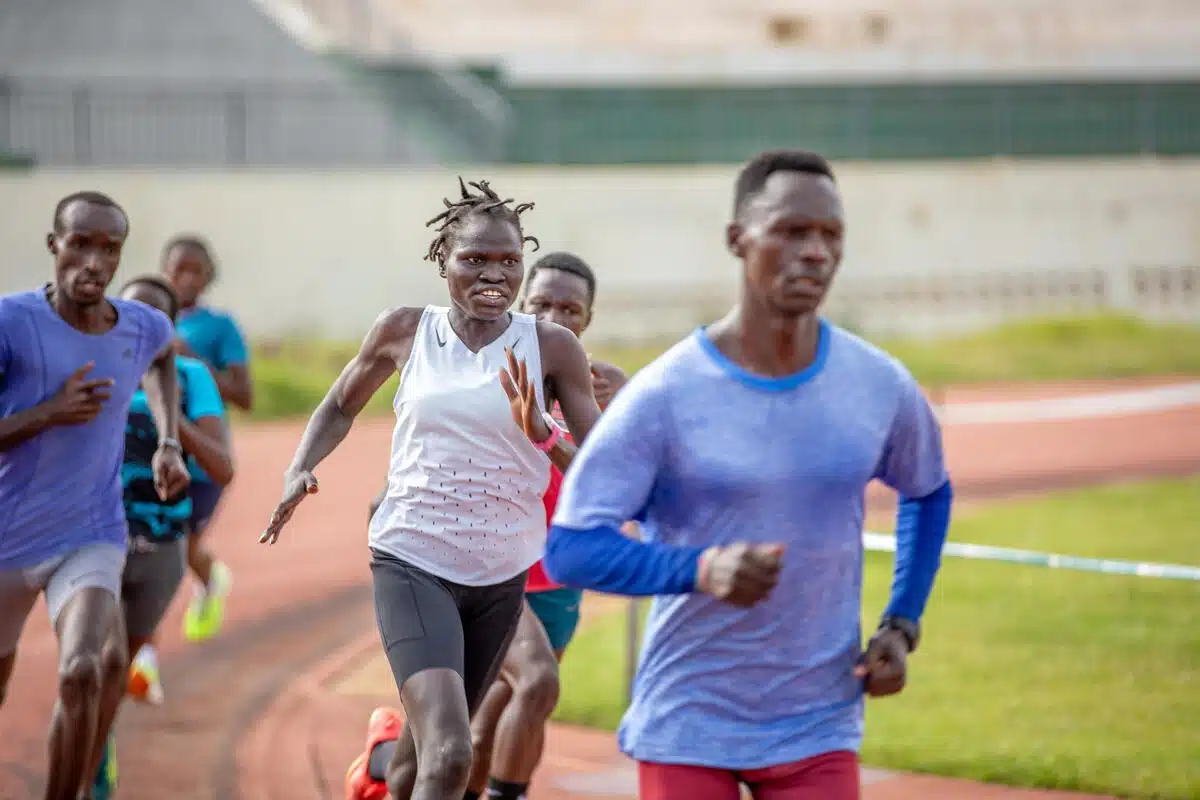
(437, 334)
(513, 346)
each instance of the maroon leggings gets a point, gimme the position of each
(829, 776)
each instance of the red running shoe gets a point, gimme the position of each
(384, 726)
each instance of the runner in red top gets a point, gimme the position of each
(509, 727)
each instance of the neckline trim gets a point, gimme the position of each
(765, 383)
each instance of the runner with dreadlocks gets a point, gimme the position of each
(462, 520)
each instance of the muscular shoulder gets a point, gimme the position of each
(560, 348)
(397, 324)
(392, 334)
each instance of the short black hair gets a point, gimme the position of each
(564, 262)
(486, 202)
(193, 241)
(753, 176)
(160, 283)
(91, 198)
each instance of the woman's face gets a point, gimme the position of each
(484, 266)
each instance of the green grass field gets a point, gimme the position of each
(291, 379)
(1027, 676)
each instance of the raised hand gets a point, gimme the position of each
(81, 398)
(522, 399)
(606, 381)
(296, 486)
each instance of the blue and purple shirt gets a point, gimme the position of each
(61, 489)
(706, 453)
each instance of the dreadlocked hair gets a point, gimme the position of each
(485, 202)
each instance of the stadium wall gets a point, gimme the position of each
(933, 246)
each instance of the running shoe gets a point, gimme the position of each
(104, 785)
(145, 686)
(206, 613)
(384, 726)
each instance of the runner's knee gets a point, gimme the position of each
(114, 662)
(79, 680)
(482, 738)
(537, 688)
(446, 762)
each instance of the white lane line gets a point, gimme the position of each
(1088, 406)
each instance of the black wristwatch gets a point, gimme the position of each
(910, 629)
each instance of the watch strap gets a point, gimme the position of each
(910, 629)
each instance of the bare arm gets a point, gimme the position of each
(607, 380)
(162, 394)
(376, 503)
(383, 351)
(235, 385)
(566, 364)
(24, 425)
(207, 441)
(161, 384)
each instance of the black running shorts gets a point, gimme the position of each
(426, 622)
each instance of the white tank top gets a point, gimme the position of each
(465, 485)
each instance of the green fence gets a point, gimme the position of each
(569, 125)
(714, 125)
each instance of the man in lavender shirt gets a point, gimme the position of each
(70, 361)
(747, 449)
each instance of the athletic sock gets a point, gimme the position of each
(503, 790)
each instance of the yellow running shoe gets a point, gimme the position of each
(206, 613)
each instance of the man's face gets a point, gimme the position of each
(87, 250)
(789, 237)
(560, 297)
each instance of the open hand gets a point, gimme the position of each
(296, 486)
(606, 381)
(522, 400)
(741, 574)
(883, 668)
(170, 472)
(81, 398)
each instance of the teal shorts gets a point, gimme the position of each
(558, 611)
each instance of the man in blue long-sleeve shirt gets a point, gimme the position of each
(747, 450)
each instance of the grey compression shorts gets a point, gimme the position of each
(152, 576)
(93, 566)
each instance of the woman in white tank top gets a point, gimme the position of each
(463, 518)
